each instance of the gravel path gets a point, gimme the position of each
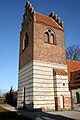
(55, 115)
(63, 115)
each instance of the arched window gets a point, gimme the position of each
(46, 37)
(50, 37)
(25, 41)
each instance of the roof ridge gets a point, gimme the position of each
(74, 61)
(50, 19)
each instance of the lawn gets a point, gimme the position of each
(3, 110)
(8, 115)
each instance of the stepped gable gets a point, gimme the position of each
(29, 8)
(47, 20)
(28, 15)
(51, 20)
(56, 19)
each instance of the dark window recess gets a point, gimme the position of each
(50, 37)
(49, 30)
(46, 37)
(78, 78)
(78, 97)
(63, 84)
(25, 42)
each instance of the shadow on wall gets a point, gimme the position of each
(29, 106)
(76, 101)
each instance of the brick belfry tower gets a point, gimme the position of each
(43, 81)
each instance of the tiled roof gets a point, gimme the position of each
(47, 20)
(59, 72)
(72, 66)
(73, 73)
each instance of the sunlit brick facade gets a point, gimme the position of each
(43, 81)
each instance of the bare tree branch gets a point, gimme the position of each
(73, 52)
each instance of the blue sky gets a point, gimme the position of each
(11, 15)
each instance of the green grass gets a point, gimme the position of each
(3, 110)
(8, 115)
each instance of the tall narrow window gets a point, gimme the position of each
(77, 97)
(46, 37)
(23, 96)
(25, 41)
(23, 44)
(51, 40)
(61, 102)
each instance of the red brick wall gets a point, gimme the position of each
(72, 66)
(42, 51)
(66, 103)
(48, 52)
(27, 55)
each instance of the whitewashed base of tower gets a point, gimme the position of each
(41, 87)
(25, 80)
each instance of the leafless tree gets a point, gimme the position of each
(73, 52)
(0, 93)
